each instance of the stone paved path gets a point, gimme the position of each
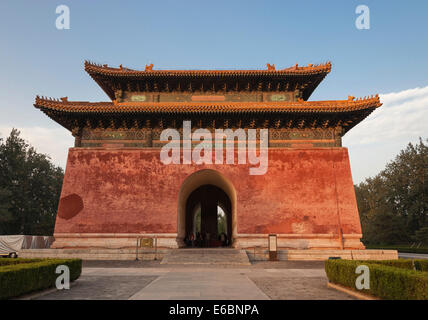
(152, 280)
(412, 255)
(298, 288)
(101, 288)
(229, 284)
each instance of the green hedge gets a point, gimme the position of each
(10, 261)
(421, 265)
(386, 282)
(21, 278)
(400, 263)
(409, 264)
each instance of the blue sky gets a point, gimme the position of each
(36, 58)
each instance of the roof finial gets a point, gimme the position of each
(270, 67)
(64, 99)
(149, 67)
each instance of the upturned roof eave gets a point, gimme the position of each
(101, 74)
(333, 106)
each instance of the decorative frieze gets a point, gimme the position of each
(147, 137)
(203, 96)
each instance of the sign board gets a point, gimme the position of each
(272, 241)
(146, 243)
(138, 98)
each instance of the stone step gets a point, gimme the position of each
(225, 256)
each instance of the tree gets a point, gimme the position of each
(393, 204)
(421, 236)
(30, 187)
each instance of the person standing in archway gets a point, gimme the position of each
(208, 240)
(223, 239)
(198, 239)
(192, 239)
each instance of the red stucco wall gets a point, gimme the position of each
(130, 191)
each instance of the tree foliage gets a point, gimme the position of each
(30, 187)
(393, 204)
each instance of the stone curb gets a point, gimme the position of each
(38, 294)
(360, 296)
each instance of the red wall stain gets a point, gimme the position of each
(131, 191)
(70, 206)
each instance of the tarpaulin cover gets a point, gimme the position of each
(18, 242)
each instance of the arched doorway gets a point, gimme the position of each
(226, 207)
(208, 217)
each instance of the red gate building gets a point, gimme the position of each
(116, 188)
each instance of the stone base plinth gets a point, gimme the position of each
(301, 241)
(110, 240)
(253, 254)
(313, 254)
(241, 241)
(95, 254)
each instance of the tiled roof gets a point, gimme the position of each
(307, 78)
(94, 69)
(338, 106)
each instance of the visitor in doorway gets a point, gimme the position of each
(192, 239)
(203, 239)
(207, 239)
(223, 239)
(198, 239)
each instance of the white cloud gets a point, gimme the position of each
(51, 141)
(403, 118)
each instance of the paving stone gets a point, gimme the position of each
(101, 287)
(298, 288)
(154, 281)
(212, 284)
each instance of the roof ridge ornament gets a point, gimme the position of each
(270, 67)
(149, 67)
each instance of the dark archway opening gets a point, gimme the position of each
(208, 218)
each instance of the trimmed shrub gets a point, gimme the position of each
(421, 265)
(21, 278)
(400, 263)
(386, 282)
(10, 261)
